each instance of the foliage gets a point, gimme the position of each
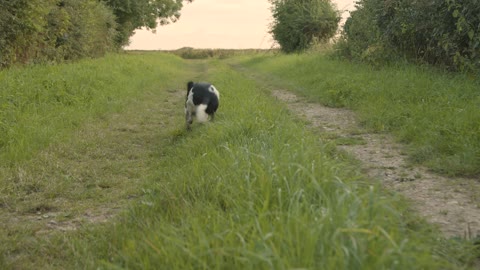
(439, 32)
(51, 30)
(191, 53)
(39, 31)
(132, 15)
(87, 29)
(21, 27)
(297, 24)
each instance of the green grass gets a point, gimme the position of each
(41, 104)
(80, 162)
(256, 189)
(437, 114)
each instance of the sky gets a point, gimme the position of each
(226, 24)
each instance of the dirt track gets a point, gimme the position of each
(442, 201)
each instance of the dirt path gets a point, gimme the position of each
(440, 200)
(87, 179)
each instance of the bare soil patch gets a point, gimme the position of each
(446, 202)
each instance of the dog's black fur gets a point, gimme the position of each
(202, 101)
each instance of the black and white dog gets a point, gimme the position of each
(202, 101)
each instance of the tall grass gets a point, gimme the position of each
(252, 190)
(41, 104)
(437, 114)
(256, 190)
(77, 140)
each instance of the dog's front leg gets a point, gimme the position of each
(188, 118)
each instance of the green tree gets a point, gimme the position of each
(297, 23)
(134, 14)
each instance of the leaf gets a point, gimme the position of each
(456, 13)
(471, 34)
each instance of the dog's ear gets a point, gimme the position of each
(189, 85)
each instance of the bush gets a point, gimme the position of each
(21, 26)
(52, 31)
(297, 24)
(90, 30)
(191, 53)
(361, 36)
(36, 31)
(439, 32)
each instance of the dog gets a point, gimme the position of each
(202, 101)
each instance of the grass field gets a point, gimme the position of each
(117, 182)
(436, 113)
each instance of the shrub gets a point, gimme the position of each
(361, 35)
(90, 30)
(21, 26)
(51, 30)
(191, 53)
(439, 32)
(298, 23)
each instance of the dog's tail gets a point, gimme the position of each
(189, 85)
(201, 113)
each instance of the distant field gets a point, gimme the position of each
(99, 173)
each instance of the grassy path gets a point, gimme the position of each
(97, 170)
(256, 189)
(451, 203)
(435, 114)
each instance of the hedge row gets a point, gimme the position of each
(53, 31)
(439, 32)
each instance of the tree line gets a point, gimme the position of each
(39, 31)
(439, 32)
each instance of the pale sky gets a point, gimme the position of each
(226, 24)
